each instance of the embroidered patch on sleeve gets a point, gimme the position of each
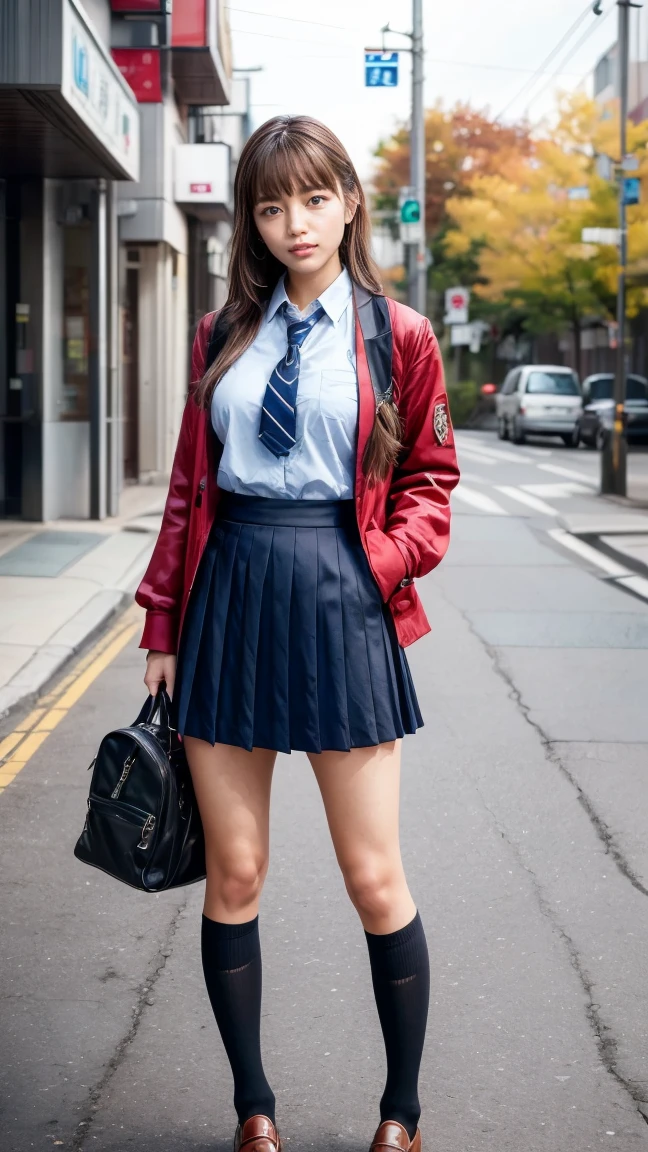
(441, 422)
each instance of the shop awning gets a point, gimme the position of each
(65, 109)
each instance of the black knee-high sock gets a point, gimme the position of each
(231, 958)
(400, 971)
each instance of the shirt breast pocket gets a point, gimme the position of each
(338, 400)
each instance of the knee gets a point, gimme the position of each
(372, 886)
(236, 880)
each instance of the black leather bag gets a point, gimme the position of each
(143, 825)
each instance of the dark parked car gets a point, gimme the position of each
(596, 420)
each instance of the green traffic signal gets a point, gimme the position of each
(410, 212)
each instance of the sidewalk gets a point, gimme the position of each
(60, 582)
(615, 539)
(618, 526)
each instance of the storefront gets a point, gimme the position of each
(69, 127)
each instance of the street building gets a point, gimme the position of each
(116, 167)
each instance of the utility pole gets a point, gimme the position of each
(417, 269)
(614, 457)
(415, 251)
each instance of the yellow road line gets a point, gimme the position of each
(19, 746)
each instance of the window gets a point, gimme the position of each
(603, 388)
(510, 383)
(74, 400)
(552, 383)
(636, 388)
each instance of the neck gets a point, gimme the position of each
(302, 289)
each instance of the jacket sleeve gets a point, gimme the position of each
(160, 591)
(418, 519)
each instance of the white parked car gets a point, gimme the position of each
(539, 400)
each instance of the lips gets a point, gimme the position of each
(302, 249)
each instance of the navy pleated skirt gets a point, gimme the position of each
(286, 642)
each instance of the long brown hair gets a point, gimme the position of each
(286, 155)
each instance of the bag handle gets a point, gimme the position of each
(160, 703)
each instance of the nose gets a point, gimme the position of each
(296, 221)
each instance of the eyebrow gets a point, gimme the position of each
(301, 192)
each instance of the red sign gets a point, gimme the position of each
(140, 67)
(190, 23)
(157, 7)
(458, 300)
(200, 189)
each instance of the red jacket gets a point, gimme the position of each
(404, 521)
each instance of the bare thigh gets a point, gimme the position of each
(232, 788)
(361, 794)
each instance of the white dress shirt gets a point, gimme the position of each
(321, 465)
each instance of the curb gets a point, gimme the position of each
(33, 679)
(36, 675)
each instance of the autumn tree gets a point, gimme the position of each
(522, 220)
(460, 144)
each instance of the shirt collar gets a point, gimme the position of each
(334, 299)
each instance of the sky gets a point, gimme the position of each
(480, 51)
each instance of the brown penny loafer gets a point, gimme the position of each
(258, 1134)
(391, 1134)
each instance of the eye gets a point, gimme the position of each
(271, 210)
(320, 200)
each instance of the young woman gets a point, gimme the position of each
(310, 486)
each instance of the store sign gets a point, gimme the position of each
(202, 174)
(94, 88)
(141, 70)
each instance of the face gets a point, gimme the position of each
(304, 231)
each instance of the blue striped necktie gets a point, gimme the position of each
(278, 420)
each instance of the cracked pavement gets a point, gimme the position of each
(523, 834)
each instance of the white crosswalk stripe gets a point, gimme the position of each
(527, 499)
(557, 491)
(637, 584)
(499, 454)
(558, 470)
(479, 500)
(605, 563)
(474, 456)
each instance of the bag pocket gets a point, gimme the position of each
(116, 838)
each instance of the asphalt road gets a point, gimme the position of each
(523, 831)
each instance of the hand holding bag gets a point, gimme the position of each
(143, 825)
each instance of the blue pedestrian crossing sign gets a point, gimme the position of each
(381, 69)
(631, 190)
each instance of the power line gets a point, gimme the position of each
(490, 67)
(292, 19)
(593, 28)
(273, 35)
(352, 51)
(541, 70)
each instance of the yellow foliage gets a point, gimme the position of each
(531, 230)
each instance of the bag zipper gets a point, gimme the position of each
(145, 820)
(128, 764)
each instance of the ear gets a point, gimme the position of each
(350, 208)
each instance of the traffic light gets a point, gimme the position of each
(410, 212)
